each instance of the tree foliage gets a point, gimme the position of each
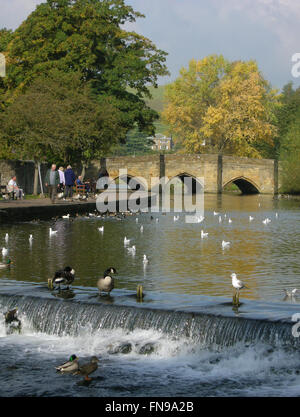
(222, 107)
(88, 37)
(58, 117)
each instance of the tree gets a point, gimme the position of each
(286, 114)
(222, 107)
(6, 36)
(290, 156)
(137, 143)
(59, 116)
(88, 36)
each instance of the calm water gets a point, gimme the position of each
(181, 264)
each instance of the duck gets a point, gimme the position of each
(88, 368)
(70, 366)
(4, 251)
(106, 283)
(64, 276)
(12, 322)
(6, 264)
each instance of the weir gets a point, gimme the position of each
(209, 330)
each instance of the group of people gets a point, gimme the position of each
(62, 181)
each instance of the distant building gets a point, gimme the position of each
(161, 142)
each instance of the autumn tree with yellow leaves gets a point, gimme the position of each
(218, 106)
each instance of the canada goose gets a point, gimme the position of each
(63, 276)
(106, 283)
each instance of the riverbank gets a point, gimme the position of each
(44, 209)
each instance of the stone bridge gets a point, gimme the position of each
(250, 175)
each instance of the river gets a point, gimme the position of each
(167, 345)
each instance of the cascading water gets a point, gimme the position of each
(143, 351)
(57, 317)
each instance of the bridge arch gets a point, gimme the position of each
(132, 182)
(193, 185)
(246, 185)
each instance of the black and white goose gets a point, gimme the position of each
(106, 284)
(63, 277)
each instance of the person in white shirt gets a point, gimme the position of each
(62, 181)
(12, 187)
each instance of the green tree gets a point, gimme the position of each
(59, 116)
(286, 114)
(290, 157)
(88, 36)
(137, 143)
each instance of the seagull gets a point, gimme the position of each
(266, 221)
(30, 238)
(251, 218)
(101, 229)
(291, 293)
(67, 216)
(145, 260)
(6, 237)
(229, 221)
(225, 244)
(52, 232)
(176, 218)
(220, 219)
(157, 219)
(238, 285)
(137, 220)
(199, 219)
(215, 213)
(276, 215)
(142, 229)
(132, 250)
(4, 251)
(126, 241)
(203, 235)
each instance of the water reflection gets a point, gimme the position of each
(265, 257)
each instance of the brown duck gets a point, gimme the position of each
(88, 368)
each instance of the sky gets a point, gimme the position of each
(265, 30)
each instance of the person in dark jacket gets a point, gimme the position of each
(69, 181)
(52, 181)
